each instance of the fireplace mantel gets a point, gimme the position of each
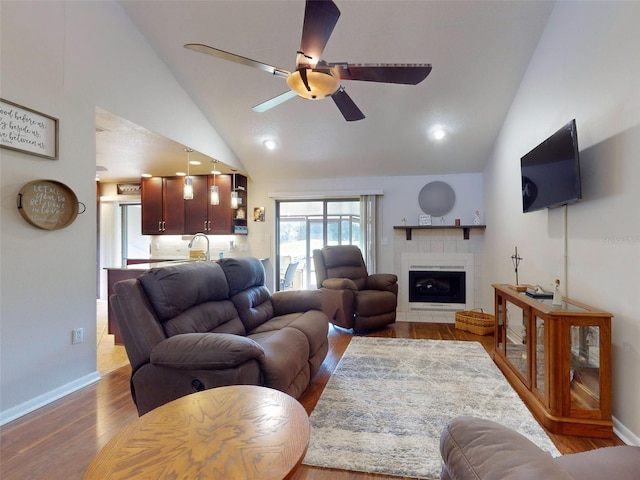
(465, 228)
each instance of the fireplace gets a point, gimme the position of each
(437, 282)
(437, 286)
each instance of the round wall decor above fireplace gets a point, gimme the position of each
(437, 198)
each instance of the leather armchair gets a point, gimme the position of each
(354, 299)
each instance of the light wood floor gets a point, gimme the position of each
(59, 440)
(110, 356)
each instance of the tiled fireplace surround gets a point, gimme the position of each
(435, 244)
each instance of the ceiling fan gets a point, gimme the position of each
(314, 78)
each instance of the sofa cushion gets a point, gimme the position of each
(291, 301)
(220, 317)
(242, 273)
(172, 290)
(479, 449)
(254, 306)
(375, 302)
(619, 463)
(313, 324)
(345, 261)
(204, 351)
(286, 358)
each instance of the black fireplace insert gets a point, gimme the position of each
(437, 287)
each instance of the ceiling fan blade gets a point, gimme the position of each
(232, 57)
(320, 17)
(274, 102)
(404, 73)
(347, 107)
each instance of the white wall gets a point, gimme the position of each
(399, 200)
(64, 59)
(585, 67)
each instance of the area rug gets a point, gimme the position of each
(386, 404)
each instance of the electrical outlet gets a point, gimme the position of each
(76, 335)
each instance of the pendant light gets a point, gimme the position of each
(214, 193)
(187, 191)
(234, 193)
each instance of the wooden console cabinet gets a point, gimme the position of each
(558, 359)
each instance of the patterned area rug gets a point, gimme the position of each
(384, 407)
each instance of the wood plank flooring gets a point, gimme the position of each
(58, 441)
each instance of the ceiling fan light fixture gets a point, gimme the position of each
(321, 84)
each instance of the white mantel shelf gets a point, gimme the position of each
(465, 228)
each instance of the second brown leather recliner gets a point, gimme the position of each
(354, 299)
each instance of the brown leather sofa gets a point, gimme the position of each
(353, 298)
(478, 449)
(199, 325)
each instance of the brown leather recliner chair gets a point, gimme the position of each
(353, 298)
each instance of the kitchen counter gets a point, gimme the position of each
(145, 264)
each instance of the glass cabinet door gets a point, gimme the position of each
(584, 374)
(516, 324)
(540, 359)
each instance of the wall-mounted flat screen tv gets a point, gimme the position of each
(551, 171)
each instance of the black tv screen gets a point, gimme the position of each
(551, 171)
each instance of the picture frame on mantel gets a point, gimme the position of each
(29, 131)
(424, 220)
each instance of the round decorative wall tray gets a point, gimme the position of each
(437, 198)
(48, 204)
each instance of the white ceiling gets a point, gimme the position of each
(479, 51)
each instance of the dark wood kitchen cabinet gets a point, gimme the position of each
(162, 206)
(240, 214)
(200, 215)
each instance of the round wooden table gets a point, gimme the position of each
(236, 432)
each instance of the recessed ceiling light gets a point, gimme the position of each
(181, 174)
(437, 132)
(270, 144)
(146, 175)
(195, 162)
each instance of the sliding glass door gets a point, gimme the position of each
(303, 226)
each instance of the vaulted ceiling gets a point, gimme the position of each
(479, 51)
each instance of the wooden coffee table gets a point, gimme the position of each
(236, 432)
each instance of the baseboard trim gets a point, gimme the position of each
(624, 434)
(47, 398)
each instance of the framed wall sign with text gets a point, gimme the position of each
(28, 131)
(424, 219)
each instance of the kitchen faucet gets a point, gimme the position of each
(207, 257)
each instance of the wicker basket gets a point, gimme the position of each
(478, 323)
